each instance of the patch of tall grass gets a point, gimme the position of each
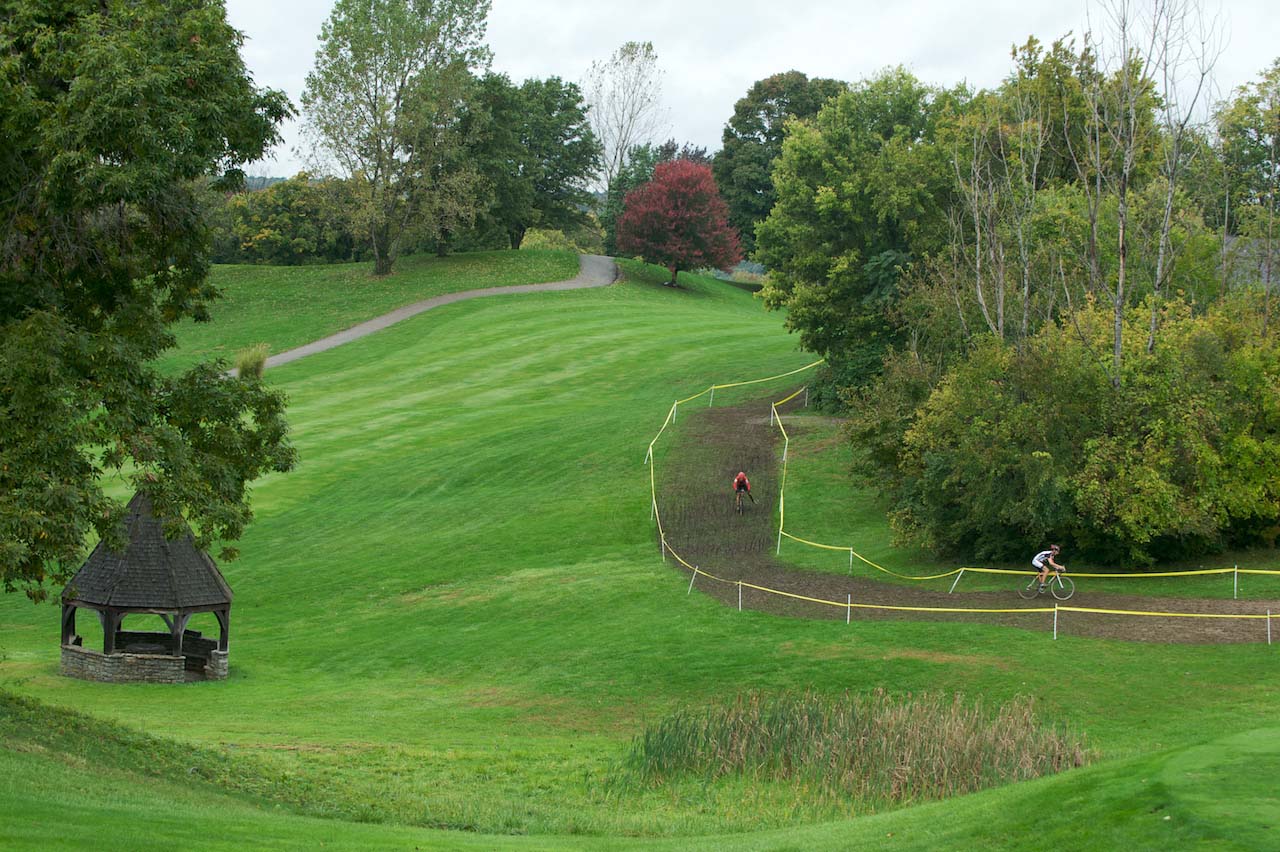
(251, 362)
(874, 748)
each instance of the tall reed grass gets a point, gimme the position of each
(251, 361)
(875, 748)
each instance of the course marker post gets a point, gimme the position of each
(739, 596)
(675, 409)
(953, 585)
(851, 562)
(692, 577)
(1235, 584)
(653, 510)
(664, 548)
(806, 396)
(1055, 622)
(712, 401)
(777, 550)
(1268, 627)
(848, 611)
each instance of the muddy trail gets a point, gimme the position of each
(696, 501)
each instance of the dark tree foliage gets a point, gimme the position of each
(534, 148)
(678, 220)
(752, 140)
(111, 116)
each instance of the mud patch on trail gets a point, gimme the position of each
(696, 501)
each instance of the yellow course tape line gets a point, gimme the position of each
(695, 396)
(881, 567)
(770, 378)
(1256, 571)
(793, 396)
(846, 604)
(1159, 614)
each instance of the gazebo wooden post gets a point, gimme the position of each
(224, 622)
(110, 624)
(179, 626)
(68, 623)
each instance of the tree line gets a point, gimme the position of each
(1046, 307)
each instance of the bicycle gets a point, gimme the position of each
(1062, 588)
(737, 499)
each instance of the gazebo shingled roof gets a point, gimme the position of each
(152, 573)
(169, 577)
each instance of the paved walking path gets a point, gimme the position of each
(593, 271)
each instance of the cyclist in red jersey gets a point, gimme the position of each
(741, 483)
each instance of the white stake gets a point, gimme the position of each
(778, 550)
(806, 396)
(851, 562)
(1235, 585)
(1055, 622)
(773, 412)
(664, 548)
(691, 579)
(739, 596)
(675, 409)
(953, 585)
(848, 612)
(713, 397)
(1268, 627)
(648, 454)
(786, 443)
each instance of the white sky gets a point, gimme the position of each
(711, 51)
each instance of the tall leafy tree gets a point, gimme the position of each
(536, 151)
(862, 193)
(111, 114)
(752, 140)
(679, 220)
(384, 102)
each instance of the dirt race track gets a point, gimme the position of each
(713, 444)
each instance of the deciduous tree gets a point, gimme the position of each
(111, 115)
(752, 140)
(679, 220)
(384, 101)
(625, 95)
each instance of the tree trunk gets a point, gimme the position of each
(382, 259)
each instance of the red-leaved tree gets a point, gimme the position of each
(679, 220)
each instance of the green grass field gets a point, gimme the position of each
(452, 618)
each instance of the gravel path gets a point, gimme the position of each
(593, 271)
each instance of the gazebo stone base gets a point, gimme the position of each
(216, 668)
(88, 664)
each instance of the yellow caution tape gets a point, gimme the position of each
(1159, 614)
(793, 396)
(770, 378)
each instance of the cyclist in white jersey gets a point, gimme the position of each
(1044, 562)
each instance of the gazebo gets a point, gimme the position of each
(156, 576)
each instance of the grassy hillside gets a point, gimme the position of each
(287, 306)
(453, 615)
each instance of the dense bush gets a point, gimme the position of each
(292, 222)
(1016, 446)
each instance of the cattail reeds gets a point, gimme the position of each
(873, 748)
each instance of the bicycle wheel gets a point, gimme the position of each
(1030, 590)
(1062, 587)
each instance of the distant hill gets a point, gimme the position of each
(254, 183)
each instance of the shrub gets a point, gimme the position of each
(538, 238)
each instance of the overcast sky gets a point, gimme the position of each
(711, 51)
